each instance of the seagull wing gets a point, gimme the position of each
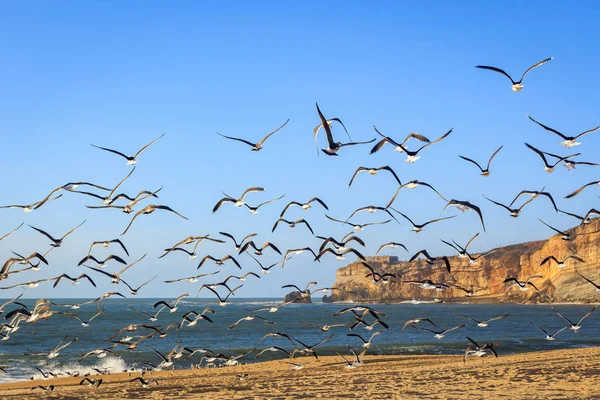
(266, 137)
(148, 145)
(497, 70)
(238, 139)
(473, 161)
(534, 66)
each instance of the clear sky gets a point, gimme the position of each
(120, 74)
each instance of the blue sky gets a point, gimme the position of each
(119, 75)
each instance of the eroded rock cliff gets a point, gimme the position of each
(558, 284)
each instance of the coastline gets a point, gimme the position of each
(568, 374)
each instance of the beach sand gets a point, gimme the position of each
(559, 374)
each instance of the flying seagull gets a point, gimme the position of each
(34, 206)
(374, 171)
(439, 334)
(575, 193)
(561, 263)
(329, 122)
(292, 224)
(549, 167)
(334, 147)
(597, 286)
(534, 194)
(131, 160)
(514, 212)
(107, 243)
(483, 324)
(516, 85)
(149, 209)
(304, 206)
(412, 185)
(466, 206)
(417, 228)
(56, 242)
(411, 156)
(574, 326)
(564, 235)
(236, 202)
(399, 149)
(486, 171)
(255, 146)
(358, 227)
(569, 141)
(549, 336)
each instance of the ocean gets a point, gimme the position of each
(514, 333)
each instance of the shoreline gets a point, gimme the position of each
(570, 373)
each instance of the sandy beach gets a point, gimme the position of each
(559, 374)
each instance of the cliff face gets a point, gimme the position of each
(488, 273)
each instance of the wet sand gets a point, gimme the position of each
(559, 374)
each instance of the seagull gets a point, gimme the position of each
(514, 212)
(549, 167)
(30, 207)
(149, 209)
(575, 193)
(366, 343)
(102, 264)
(561, 264)
(411, 156)
(548, 336)
(243, 277)
(340, 246)
(565, 235)
(466, 206)
(374, 171)
(486, 171)
(56, 242)
(358, 359)
(391, 245)
(371, 210)
(468, 292)
(483, 324)
(107, 199)
(569, 164)
(417, 228)
(416, 321)
(292, 224)
(134, 291)
(236, 202)
(238, 246)
(339, 255)
(250, 318)
(272, 348)
(431, 260)
(93, 383)
(334, 147)
(49, 388)
(329, 122)
(478, 350)
(107, 243)
(142, 195)
(597, 286)
(324, 328)
(4, 272)
(412, 185)
(55, 351)
(306, 350)
(188, 240)
(428, 284)
(518, 85)
(377, 277)
(304, 293)
(130, 160)
(534, 194)
(265, 270)
(304, 206)
(219, 261)
(462, 251)
(573, 326)
(145, 383)
(258, 250)
(74, 281)
(569, 141)
(255, 146)
(223, 301)
(297, 251)
(83, 323)
(11, 232)
(358, 227)
(9, 302)
(172, 308)
(191, 279)
(399, 149)
(151, 317)
(439, 334)
(29, 284)
(522, 284)
(254, 210)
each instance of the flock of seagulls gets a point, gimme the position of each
(250, 247)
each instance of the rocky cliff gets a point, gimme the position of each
(557, 284)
